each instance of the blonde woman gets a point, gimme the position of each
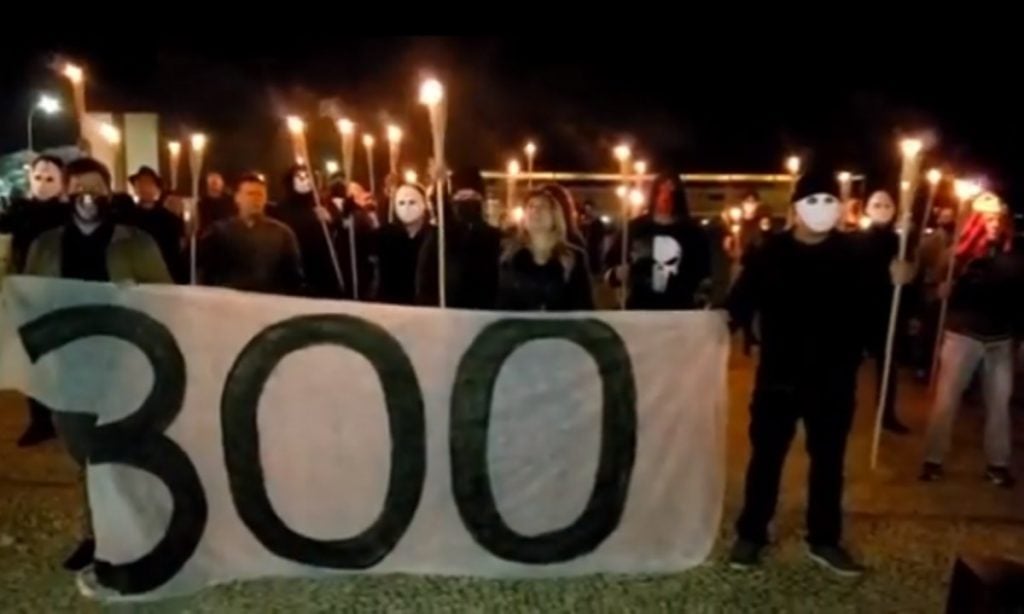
(539, 269)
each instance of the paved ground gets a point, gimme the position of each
(906, 531)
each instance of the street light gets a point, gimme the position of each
(48, 105)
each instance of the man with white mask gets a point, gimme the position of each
(400, 246)
(91, 247)
(805, 285)
(880, 244)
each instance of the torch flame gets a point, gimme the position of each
(793, 165)
(966, 189)
(295, 124)
(640, 167)
(345, 126)
(198, 142)
(735, 214)
(394, 134)
(934, 176)
(865, 222)
(636, 199)
(513, 167)
(174, 147)
(622, 152)
(911, 147)
(368, 140)
(73, 72)
(844, 177)
(530, 149)
(431, 92)
(410, 176)
(518, 213)
(331, 166)
(110, 134)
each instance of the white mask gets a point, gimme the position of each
(45, 181)
(410, 207)
(880, 208)
(302, 183)
(819, 212)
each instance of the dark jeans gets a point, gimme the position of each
(774, 414)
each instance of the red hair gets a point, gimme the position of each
(974, 240)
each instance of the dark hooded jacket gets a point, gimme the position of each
(686, 259)
(166, 228)
(26, 219)
(297, 211)
(472, 250)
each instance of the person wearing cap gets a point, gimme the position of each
(151, 215)
(986, 312)
(806, 287)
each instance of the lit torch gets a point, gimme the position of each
(531, 151)
(394, 145)
(174, 157)
(347, 130)
(112, 136)
(623, 153)
(432, 96)
(368, 142)
(845, 179)
(933, 176)
(76, 76)
(510, 185)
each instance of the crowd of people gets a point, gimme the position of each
(813, 292)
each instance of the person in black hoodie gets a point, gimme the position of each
(669, 259)
(401, 245)
(316, 228)
(472, 249)
(880, 244)
(150, 214)
(216, 203)
(806, 285)
(45, 208)
(540, 269)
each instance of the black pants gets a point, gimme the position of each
(877, 352)
(774, 415)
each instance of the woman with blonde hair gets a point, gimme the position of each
(539, 269)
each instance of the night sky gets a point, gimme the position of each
(686, 107)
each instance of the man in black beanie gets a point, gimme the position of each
(806, 287)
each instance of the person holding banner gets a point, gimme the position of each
(299, 211)
(400, 245)
(986, 312)
(151, 215)
(669, 256)
(92, 247)
(45, 208)
(250, 251)
(806, 285)
(541, 270)
(880, 243)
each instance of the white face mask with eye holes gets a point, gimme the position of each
(819, 212)
(410, 207)
(302, 183)
(45, 181)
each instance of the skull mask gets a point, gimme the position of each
(45, 180)
(667, 255)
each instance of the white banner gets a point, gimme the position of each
(242, 435)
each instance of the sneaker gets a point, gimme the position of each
(82, 556)
(837, 560)
(37, 433)
(931, 472)
(895, 427)
(745, 555)
(1000, 476)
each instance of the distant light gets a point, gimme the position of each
(735, 214)
(394, 134)
(431, 92)
(640, 167)
(606, 219)
(331, 166)
(48, 104)
(622, 152)
(929, 231)
(295, 124)
(621, 191)
(793, 165)
(174, 147)
(345, 126)
(513, 167)
(735, 229)
(865, 222)
(705, 222)
(911, 147)
(368, 140)
(198, 142)
(530, 149)
(905, 185)
(518, 213)
(73, 72)
(844, 177)
(110, 134)
(636, 198)
(410, 176)
(934, 176)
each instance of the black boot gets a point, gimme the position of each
(82, 556)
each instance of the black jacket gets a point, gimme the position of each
(525, 285)
(263, 257)
(687, 265)
(809, 299)
(26, 219)
(298, 213)
(471, 266)
(879, 246)
(214, 209)
(987, 301)
(398, 258)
